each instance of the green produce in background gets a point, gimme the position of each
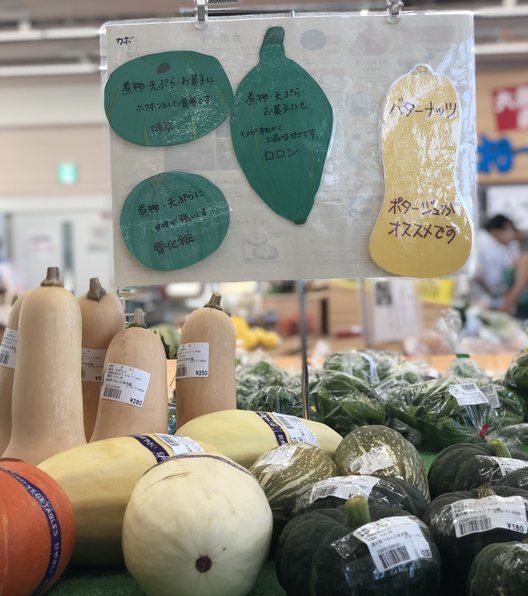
(281, 128)
(345, 402)
(431, 409)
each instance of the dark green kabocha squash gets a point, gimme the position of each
(500, 570)
(447, 464)
(333, 492)
(515, 479)
(463, 523)
(329, 552)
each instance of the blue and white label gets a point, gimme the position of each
(180, 445)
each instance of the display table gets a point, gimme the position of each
(87, 581)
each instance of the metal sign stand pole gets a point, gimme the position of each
(303, 331)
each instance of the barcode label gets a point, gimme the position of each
(391, 541)
(298, 431)
(490, 392)
(193, 360)
(471, 516)
(112, 392)
(394, 556)
(343, 487)
(92, 362)
(475, 525)
(467, 394)
(181, 371)
(8, 348)
(372, 461)
(125, 384)
(180, 445)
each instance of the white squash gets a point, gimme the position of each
(197, 525)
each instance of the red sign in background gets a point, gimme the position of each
(510, 105)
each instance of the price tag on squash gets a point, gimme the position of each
(506, 464)
(298, 431)
(8, 348)
(343, 488)
(125, 384)
(180, 445)
(193, 360)
(471, 516)
(391, 541)
(92, 362)
(372, 461)
(280, 456)
(468, 394)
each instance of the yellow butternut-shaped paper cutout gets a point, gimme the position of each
(423, 229)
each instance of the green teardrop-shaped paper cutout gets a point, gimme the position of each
(173, 220)
(168, 98)
(281, 127)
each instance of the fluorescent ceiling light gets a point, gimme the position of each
(490, 49)
(43, 70)
(59, 33)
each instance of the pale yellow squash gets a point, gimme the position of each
(244, 436)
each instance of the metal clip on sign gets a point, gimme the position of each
(394, 9)
(201, 13)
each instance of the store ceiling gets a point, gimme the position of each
(35, 34)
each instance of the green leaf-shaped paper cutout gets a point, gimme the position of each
(168, 98)
(281, 127)
(173, 220)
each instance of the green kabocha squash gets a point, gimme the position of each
(333, 492)
(466, 465)
(500, 570)
(515, 479)
(284, 472)
(463, 523)
(329, 552)
(381, 451)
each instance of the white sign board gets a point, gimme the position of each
(354, 59)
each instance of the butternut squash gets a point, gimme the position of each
(103, 317)
(7, 370)
(134, 395)
(47, 414)
(205, 372)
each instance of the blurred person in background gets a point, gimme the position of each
(498, 252)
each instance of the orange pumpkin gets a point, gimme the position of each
(38, 529)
